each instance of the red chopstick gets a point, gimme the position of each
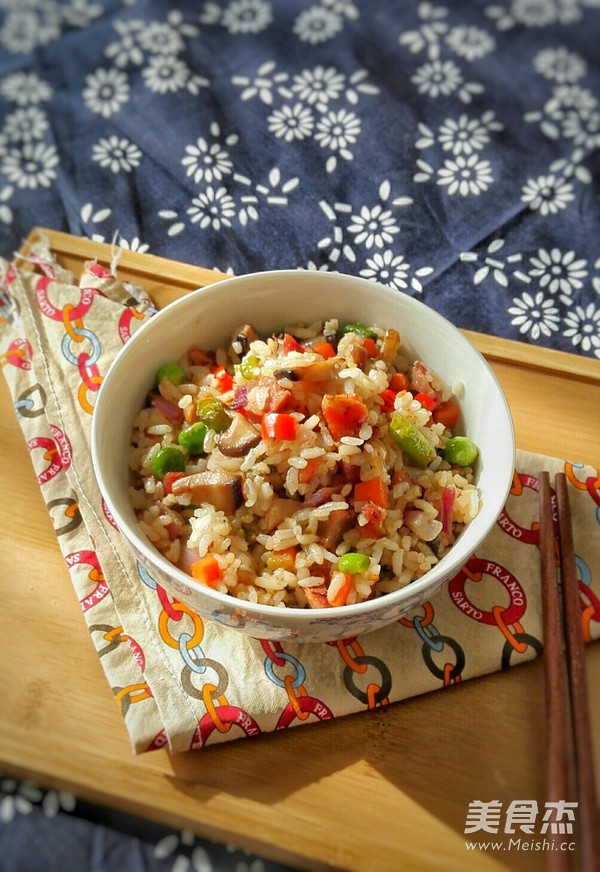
(564, 657)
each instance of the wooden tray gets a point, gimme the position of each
(381, 791)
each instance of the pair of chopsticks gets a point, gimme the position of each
(564, 665)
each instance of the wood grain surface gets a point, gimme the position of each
(384, 790)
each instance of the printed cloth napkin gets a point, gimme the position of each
(183, 681)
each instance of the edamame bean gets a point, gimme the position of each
(461, 451)
(353, 563)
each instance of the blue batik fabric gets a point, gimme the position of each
(448, 150)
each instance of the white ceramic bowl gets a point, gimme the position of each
(268, 301)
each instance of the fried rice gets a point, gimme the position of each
(304, 469)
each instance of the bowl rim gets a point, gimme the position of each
(139, 543)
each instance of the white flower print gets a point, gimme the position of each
(429, 33)
(465, 135)
(116, 153)
(534, 315)
(338, 130)
(158, 37)
(342, 7)
(583, 328)
(247, 16)
(559, 273)
(25, 89)
(387, 268)
(126, 49)
(583, 130)
(466, 175)
(470, 43)
(165, 74)
(135, 245)
(291, 122)
(494, 265)
(560, 65)
(374, 227)
(263, 85)
(566, 98)
(25, 125)
(32, 166)
(24, 30)
(535, 13)
(57, 800)
(209, 161)
(547, 194)
(106, 91)
(196, 858)
(6, 213)
(318, 86)
(317, 24)
(437, 78)
(17, 798)
(212, 208)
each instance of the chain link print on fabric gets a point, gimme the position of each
(300, 705)
(435, 643)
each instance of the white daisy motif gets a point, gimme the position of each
(560, 65)
(291, 122)
(135, 244)
(547, 194)
(559, 273)
(317, 24)
(106, 92)
(427, 36)
(534, 13)
(165, 74)
(158, 37)
(195, 859)
(436, 78)
(338, 130)
(583, 328)
(583, 130)
(17, 798)
(567, 98)
(58, 800)
(6, 213)
(318, 86)
(263, 85)
(25, 125)
(470, 43)
(32, 166)
(25, 89)
(387, 268)
(116, 154)
(24, 29)
(534, 315)
(247, 16)
(126, 49)
(466, 175)
(212, 208)
(374, 227)
(208, 161)
(464, 135)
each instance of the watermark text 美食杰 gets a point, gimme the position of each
(529, 827)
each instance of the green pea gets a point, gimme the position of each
(353, 563)
(168, 459)
(360, 330)
(249, 365)
(171, 371)
(211, 412)
(461, 451)
(411, 441)
(192, 438)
